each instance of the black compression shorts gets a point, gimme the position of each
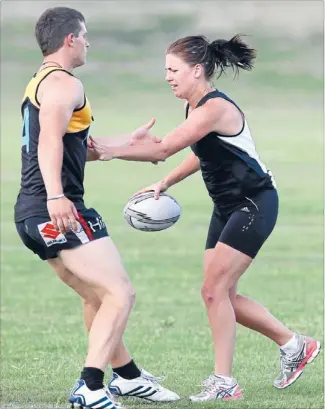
(247, 227)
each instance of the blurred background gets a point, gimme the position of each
(43, 340)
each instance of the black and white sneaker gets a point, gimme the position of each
(146, 387)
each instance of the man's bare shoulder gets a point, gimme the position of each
(61, 83)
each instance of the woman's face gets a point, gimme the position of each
(182, 77)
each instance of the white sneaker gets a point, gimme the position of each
(82, 397)
(145, 386)
(292, 365)
(215, 387)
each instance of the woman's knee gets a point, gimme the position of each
(222, 268)
(213, 293)
(215, 286)
(233, 295)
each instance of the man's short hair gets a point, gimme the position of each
(54, 25)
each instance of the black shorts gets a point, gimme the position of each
(248, 226)
(39, 235)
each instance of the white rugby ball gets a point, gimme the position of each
(143, 212)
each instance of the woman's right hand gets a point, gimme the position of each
(156, 188)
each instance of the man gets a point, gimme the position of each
(53, 221)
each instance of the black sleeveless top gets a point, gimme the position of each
(230, 165)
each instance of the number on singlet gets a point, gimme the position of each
(25, 136)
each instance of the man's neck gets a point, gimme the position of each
(59, 60)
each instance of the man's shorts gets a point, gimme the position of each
(248, 226)
(39, 235)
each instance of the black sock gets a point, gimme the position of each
(128, 371)
(93, 377)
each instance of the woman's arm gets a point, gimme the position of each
(189, 166)
(140, 135)
(201, 122)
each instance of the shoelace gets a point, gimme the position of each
(111, 397)
(287, 363)
(291, 362)
(149, 377)
(212, 380)
(209, 381)
(210, 385)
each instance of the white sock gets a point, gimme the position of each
(292, 345)
(227, 380)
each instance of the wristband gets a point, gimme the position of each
(55, 197)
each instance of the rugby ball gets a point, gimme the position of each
(143, 212)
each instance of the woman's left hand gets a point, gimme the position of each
(103, 152)
(143, 135)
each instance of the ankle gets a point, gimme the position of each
(291, 345)
(93, 377)
(128, 371)
(285, 338)
(229, 380)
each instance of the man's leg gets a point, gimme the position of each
(126, 374)
(121, 357)
(99, 266)
(125, 371)
(91, 304)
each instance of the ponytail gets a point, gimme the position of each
(234, 53)
(218, 55)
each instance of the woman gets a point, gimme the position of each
(245, 203)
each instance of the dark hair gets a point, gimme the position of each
(218, 55)
(54, 25)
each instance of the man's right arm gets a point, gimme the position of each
(60, 95)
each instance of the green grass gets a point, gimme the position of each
(43, 339)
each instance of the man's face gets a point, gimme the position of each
(80, 46)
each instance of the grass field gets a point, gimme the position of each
(43, 338)
(43, 341)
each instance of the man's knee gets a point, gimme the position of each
(91, 300)
(124, 295)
